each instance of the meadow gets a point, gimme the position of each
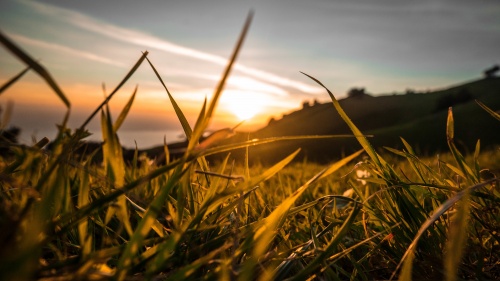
(371, 215)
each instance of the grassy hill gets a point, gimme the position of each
(420, 118)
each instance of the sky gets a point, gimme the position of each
(89, 46)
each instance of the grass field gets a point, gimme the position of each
(371, 215)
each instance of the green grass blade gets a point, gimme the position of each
(407, 258)
(188, 270)
(489, 110)
(216, 185)
(23, 56)
(114, 167)
(459, 158)
(156, 226)
(266, 232)
(412, 159)
(13, 80)
(146, 224)
(200, 128)
(227, 209)
(209, 206)
(66, 222)
(457, 238)
(477, 151)
(271, 171)
(406, 271)
(253, 142)
(83, 199)
(180, 115)
(123, 114)
(6, 116)
(166, 151)
(112, 151)
(193, 145)
(330, 248)
(450, 126)
(198, 125)
(232, 60)
(124, 80)
(359, 136)
(333, 168)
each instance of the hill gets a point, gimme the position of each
(420, 118)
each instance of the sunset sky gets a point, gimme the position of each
(384, 46)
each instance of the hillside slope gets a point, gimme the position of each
(420, 118)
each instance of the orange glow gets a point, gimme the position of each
(244, 105)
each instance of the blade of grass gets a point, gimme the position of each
(6, 117)
(412, 159)
(13, 80)
(186, 272)
(253, 142)
(38, 68)
(362, 140)
(333, 168)
(209, 206)
(180, 115)
(166, 151)
(123, 114)
(266, 232)
(200, 128)
(330, 248)
(166, 248)
(232, 60)
(477, 151)
(146, 224)
(457, 236)
(459, 158)
(66, 222)
(114, 167)
(124, 80)
(83, 199)
(487, 109)
(408, 256)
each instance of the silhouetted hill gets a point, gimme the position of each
(420, 118)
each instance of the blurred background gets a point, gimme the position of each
(382, 47)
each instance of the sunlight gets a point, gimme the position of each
(244, 104)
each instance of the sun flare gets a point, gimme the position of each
(243, 111)
(244, 104)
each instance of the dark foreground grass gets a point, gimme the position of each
(368, 216)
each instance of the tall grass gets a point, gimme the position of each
(389, 215)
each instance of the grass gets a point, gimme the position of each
(370, 215)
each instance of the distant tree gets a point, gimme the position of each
(410, 92)
(356, 92)
(306, 104)
(490, 72)
(271, 121)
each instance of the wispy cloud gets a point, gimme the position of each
(61, 48)
(248, 83)
(145, 40)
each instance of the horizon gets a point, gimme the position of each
(386, 48)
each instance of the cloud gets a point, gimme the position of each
(145, 40)
(247, 83)
(57, 47)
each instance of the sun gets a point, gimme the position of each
(243, 104)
